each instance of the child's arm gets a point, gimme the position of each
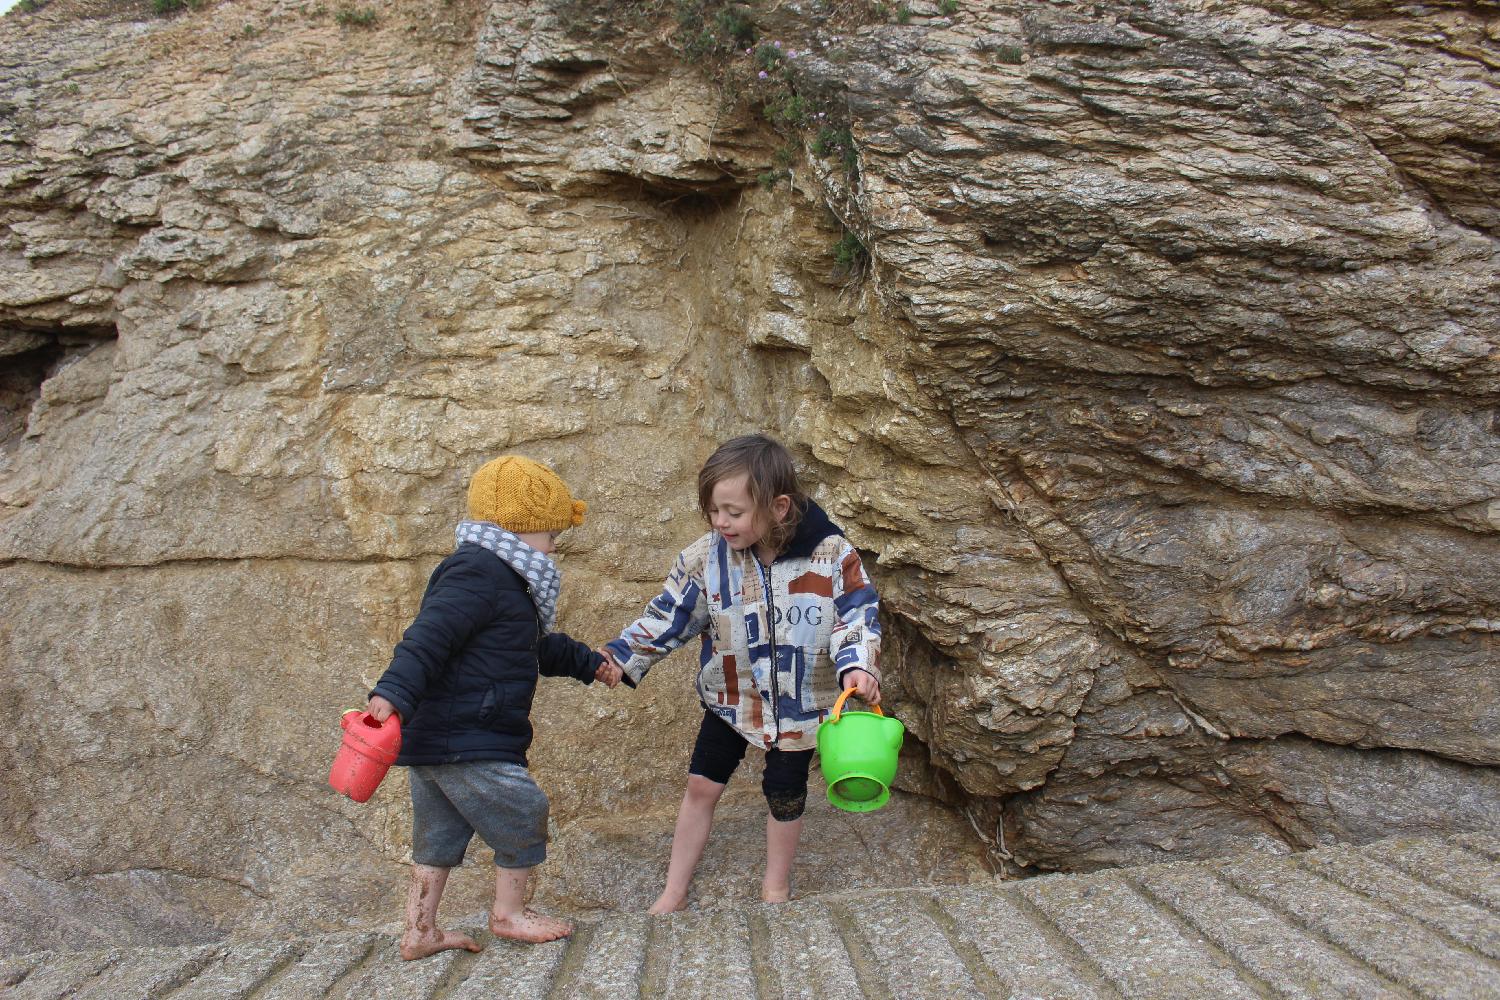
(854, 642)
(677, 614)
(458, 600)
(559, 655)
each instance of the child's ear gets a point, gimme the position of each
(781, 506)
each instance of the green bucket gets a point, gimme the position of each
(857, 754)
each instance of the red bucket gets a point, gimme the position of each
(369, 749)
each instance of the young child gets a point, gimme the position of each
(462, 680)
(788, 619)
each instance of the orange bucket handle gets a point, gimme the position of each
(838, 706)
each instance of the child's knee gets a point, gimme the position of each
(786, 805)
(784, 783)
(703, 791)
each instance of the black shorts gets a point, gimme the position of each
(719, 750)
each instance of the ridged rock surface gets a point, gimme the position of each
(1163, 407)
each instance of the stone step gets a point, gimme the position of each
(1133, 944)
(234, 974)
(1447, 865)
(696, 957)
(1396, 944)
(1029, 958)
(808, 957)
(57, 975)
(320, 965)
(145, 973)
(506, 970)
(1388, 921)
(1291, 962)
(898, 949)
(1461, 922)
(605, 959)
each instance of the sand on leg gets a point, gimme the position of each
(510, 918)
(423, 936)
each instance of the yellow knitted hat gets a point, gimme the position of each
(522, 496)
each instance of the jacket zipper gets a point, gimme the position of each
(771, 628)
(541, 631)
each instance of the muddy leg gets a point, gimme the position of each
(423, 937)
(511, 919)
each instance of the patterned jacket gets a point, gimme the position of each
(814, 607)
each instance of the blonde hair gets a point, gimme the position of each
(769, 472)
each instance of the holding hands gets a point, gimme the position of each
(609, 672)
(864, 684)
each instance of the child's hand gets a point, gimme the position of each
(864, 684)
(609, 673)
(381, 709)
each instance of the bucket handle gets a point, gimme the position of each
(838, 706)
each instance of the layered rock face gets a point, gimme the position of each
(1162, 405)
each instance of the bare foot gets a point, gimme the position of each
(415, 944)
(780, 894)
(529, 926)
(667, 904)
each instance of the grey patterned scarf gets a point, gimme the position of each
(537, 568)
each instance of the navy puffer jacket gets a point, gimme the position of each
(465, 671)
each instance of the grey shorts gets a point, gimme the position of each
(498, 800)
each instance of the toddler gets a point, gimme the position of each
(462, 679)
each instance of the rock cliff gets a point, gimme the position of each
(1147, 349)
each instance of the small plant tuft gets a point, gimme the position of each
(838, 142)
(1012, 54)
(361, 17)
(709, 28)
(849, 253)
(827, 141)
(782, 160)
(769, 57)
(948, 7)
(788, 109)
(165, 7)
(903, 13)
